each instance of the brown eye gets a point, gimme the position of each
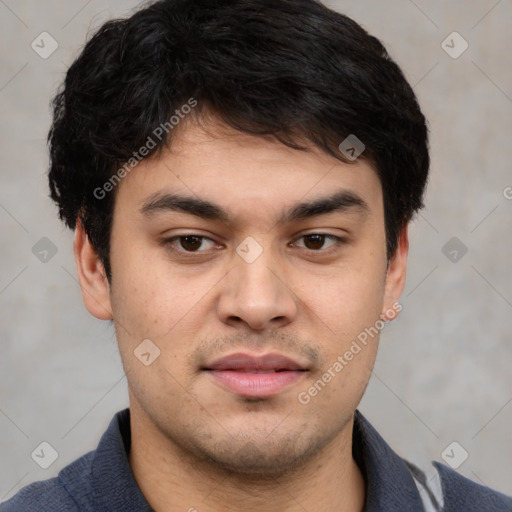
(314, 242)
(191, 243)
(320, 242)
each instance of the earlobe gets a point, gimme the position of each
(395, 277)
(91, 275)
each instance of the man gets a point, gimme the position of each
(240, 176)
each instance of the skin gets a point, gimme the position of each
(194, 443)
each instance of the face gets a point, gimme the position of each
(253, 268)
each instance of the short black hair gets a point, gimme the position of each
(291, 69)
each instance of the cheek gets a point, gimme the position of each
(351, 326)
(137, 301)
(151, 307)
(153, 299)
(348, 305)
(349, 299)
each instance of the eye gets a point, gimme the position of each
(316, 241)
(190, 243)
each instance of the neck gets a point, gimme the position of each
(171, 478)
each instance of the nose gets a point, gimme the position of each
(257, 296)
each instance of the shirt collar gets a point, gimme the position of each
(389, 483)
(113, 484)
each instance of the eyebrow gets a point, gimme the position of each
(341, 201)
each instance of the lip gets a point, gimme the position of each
(256, 376)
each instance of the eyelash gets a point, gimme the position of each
(333, 248)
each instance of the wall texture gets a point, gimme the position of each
(443, 372)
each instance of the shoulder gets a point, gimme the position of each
(461, 493)
(43, 496)
(53, 495)
(100, 480)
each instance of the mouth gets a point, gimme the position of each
(256, 376)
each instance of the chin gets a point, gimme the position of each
(257, 457)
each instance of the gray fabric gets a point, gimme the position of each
(431, 493)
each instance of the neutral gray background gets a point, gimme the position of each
(444, 369)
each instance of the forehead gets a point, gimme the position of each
(244, 172)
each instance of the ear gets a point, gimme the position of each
(91, 275)
(395, 277)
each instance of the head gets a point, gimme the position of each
(225, 122)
